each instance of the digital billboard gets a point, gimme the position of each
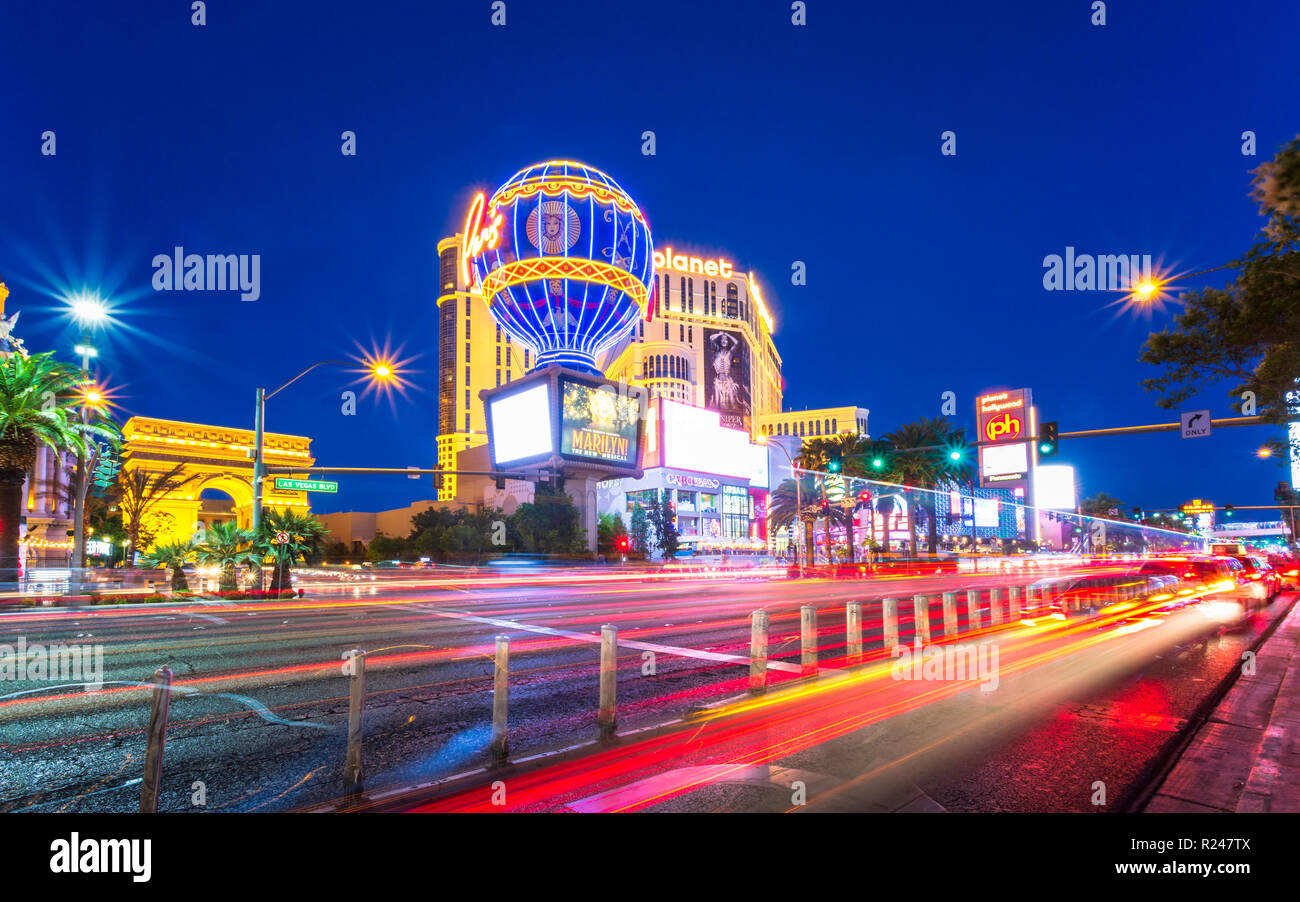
(521, 426)
(695, 439)
(1004, 418)
(1054, 488)
(726, 377)
(599, 424)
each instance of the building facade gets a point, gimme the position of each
(815, 423)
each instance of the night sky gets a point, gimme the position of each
(774, 144)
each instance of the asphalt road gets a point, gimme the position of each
(258, 718)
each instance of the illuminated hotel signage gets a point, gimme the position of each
(666, 259)
(478, 235)
(1003, 418)
(691, 482)
(598, 424)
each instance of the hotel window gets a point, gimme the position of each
(525, 358)
(690, 334)
(681, 332)
(507, 355)
(665, 330)
(498, 331)
(733, 298)
(498, 355)
(467, 422)
(467, 352)
(834, 423)
(690, 296)
(467, 375)
(682, 296)
(467, 325)
(498, 378)
(817, 425)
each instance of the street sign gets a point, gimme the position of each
(281, 538)
(305, 485)
(1197, 506)
(1195, 423)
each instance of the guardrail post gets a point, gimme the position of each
(157, 739)
(353, 778)
(973, 619)
(853, 626)
(921, 617)
(949, 614)
(606, 717)
(995, 606)
(1013, 603)
(808, 638)
(501, 703)
(889, 617)
(758, 651)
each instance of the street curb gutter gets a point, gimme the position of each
(1163, 764)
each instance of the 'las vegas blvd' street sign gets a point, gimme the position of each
(306, 485)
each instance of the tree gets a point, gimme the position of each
(639, 538)
(1101, 504)
(853, 452)
(229, 547)
(140, 491)
(927, 469)
(385, 548)
(609, 531)
(39, 404)
(173, 555)
(1246, 332)
(783, 509)
(306, 539)
(549, 524)
(666, 535)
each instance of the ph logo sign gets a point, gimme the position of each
(1003, 427)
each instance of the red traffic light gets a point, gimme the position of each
(864, 496)
(622, 543)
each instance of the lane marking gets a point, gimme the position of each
(594, 638)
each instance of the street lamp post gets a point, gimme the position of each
(379, 370)
(88, 312)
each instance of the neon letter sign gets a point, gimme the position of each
(477, 236)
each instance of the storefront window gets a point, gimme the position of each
(708, 503)
(735, 512)
(685, 500)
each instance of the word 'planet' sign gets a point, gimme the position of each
(666, 259)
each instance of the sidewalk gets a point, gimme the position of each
(1246, 756)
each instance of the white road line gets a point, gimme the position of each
(594, 638)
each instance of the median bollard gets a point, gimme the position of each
(501, 703)
(853, 630)
(353, 780)
(157, 739)
(808, 638)
(949, 614)
(973, 619)
(1013, 603)
(606, 717)
(889, 618)
(995, 607)
(758, 651)
(921, 618)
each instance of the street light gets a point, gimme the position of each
(798, 492)
(380, 370)
(90, 312)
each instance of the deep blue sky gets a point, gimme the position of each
(775, 144)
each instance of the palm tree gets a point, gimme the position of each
(173, 555)
(39, 403)
(305, 538)
(140, 491)
(229, 547)
(783, 508)
(927, 469)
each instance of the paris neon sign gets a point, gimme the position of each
(478, 235)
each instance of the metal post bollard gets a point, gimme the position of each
(853, 626)
(501, 703)
(808, 638)
(949, 614)
(607, 717)
(758, 651)
(921, 618)
(889, 616)
(353, 778)
(157, 739)
(973, 619)
(995, 607)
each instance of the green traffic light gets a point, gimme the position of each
(954, 455)
(877, 463)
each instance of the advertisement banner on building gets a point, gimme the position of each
(598, 424)
(726, 377)
(1003, 418)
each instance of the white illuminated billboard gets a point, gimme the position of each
(521, 425)
(1004, 460)
(695, 439)
(1054, 487)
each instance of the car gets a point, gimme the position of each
(1264, 579)
(1207, 575)
(1288, 569)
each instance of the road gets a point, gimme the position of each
(258, 717)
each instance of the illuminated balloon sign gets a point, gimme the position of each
(564, 260)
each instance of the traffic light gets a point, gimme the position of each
(622, 543)
(834, 462)
(1227, 510)
(1047, 440)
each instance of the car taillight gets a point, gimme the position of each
(1255, 575)
(1190, 574)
